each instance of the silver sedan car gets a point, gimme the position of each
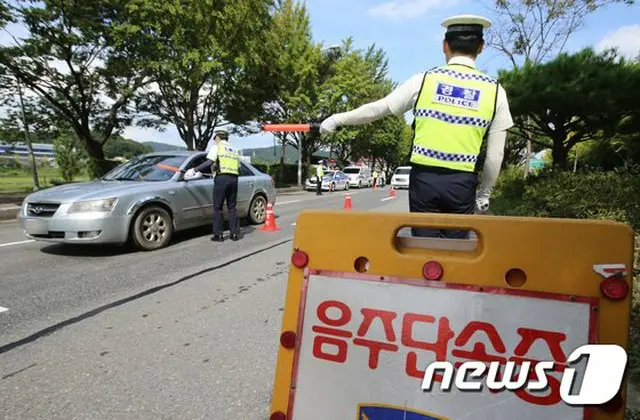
(143, 201)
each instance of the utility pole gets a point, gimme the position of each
(27, 136)
(300, 140)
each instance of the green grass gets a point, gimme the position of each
(21, 180)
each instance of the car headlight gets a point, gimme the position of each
(104, 205)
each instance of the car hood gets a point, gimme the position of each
(92, 190)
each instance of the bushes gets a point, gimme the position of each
(290, 173)
(69, 155)
(613, 195)
(98, 168)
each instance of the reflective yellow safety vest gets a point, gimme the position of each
(453, 111)
(320, 172)
(228, 159)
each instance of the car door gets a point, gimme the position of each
(246, 188)
(364, 176)
(196, 196)
(342, 180)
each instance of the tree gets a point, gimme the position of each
(69, 156)
(531, 31)
(120, 147)
(5, 13)
(206, 59)
(390, 143)
(297, 64)
(360, 76)
(69, 61)
(41, 118)
(574, 98)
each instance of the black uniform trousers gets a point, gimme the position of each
(225, 188)
(441, 190)
(319, 187)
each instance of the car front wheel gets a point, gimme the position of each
(258, 210)
(152, 228)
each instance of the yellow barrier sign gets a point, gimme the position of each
(368, 312)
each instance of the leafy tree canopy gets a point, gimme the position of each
(573, 98)
(207, 59)
(69, 61)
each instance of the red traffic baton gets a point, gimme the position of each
(291, 128)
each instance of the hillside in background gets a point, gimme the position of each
(266, 154)
(262, 155)
(162, 147)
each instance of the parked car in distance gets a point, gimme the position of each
(143, 201)
(359, 176)
(400, 178)
(333, 181)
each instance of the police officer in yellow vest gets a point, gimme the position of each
(226, 159)
(456, 107)
(319, 177)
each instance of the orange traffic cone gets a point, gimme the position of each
(270, 221)
(347, 202)
(392, 193)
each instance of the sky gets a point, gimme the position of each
(410, 33)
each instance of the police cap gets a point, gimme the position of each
(466, 25)
(221, 130)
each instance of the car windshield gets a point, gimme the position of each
(329, 174)
(403, 171)
(351, 170)
(146, 168)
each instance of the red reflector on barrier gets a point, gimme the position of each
(615, 288)
(288, 339)
(278, 415)
(300, 259)
(432, 271)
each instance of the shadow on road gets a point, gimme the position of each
(91, 250)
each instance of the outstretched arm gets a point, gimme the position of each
(204, 165)
(397, 102)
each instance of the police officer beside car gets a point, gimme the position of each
(319, 177)
(226, 161)
(456, 107)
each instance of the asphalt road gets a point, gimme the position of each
(187, 332)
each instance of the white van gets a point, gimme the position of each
(359, 176)
(400, 178)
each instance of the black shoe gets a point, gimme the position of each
(217, 238)
(234, 236)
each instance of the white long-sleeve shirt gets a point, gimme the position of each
(403, 99)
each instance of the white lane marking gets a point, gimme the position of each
(16, 243)
(293, 224)
(3, 309)
(325, 195)
(388, 198)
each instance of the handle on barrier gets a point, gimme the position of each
(437, 221)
